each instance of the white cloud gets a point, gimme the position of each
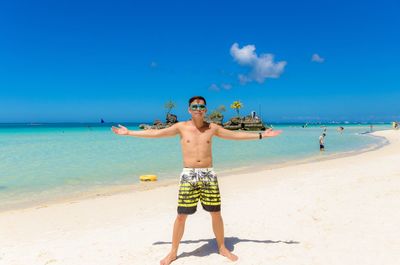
(226, 86)
(316, 58)
(245, 55)
(214, 87)
(261, 66)
(243, 79)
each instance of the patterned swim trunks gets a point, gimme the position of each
(195, 184)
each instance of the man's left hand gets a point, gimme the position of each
(271, 133)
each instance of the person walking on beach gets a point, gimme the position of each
(198, 181)
(322, 142)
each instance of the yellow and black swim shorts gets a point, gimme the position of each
(195, 184)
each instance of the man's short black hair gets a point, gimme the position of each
(197, 97)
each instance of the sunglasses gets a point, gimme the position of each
(198, 107)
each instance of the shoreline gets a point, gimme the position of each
(336, 211)
(145, 186)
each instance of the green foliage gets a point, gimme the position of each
(169, 105)
(217, 113)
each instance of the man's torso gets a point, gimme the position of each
(196, 144)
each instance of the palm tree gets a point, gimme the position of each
(237, 105)
(169, 105)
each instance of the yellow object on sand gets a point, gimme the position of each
(148, 178)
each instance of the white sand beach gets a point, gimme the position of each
(339, 211)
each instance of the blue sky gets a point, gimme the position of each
(79, 61)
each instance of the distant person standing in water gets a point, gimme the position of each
(322, 142)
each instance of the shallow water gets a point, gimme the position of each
(46, 161)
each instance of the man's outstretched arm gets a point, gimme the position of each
(230, 135)
(167, 132)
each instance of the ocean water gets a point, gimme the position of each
(42, 162)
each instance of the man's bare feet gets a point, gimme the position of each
(226, 253)
(168, 259)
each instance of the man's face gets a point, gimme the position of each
(197, 108)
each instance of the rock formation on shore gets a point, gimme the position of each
(247, 123)
(170, 120)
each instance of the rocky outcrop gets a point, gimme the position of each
(144, 126)
(247, 123)
(170, 119)
(218, 120)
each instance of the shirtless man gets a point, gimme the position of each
(198, 180)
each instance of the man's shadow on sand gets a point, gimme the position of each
(210, 246)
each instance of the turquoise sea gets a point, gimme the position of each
(40, 162)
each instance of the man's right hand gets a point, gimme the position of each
(121, 130)
(152, 133)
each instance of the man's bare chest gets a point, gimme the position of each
(193, 137)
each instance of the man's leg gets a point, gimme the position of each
(218, 228)
(188, 198)
(211, 201)
(179, 228)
